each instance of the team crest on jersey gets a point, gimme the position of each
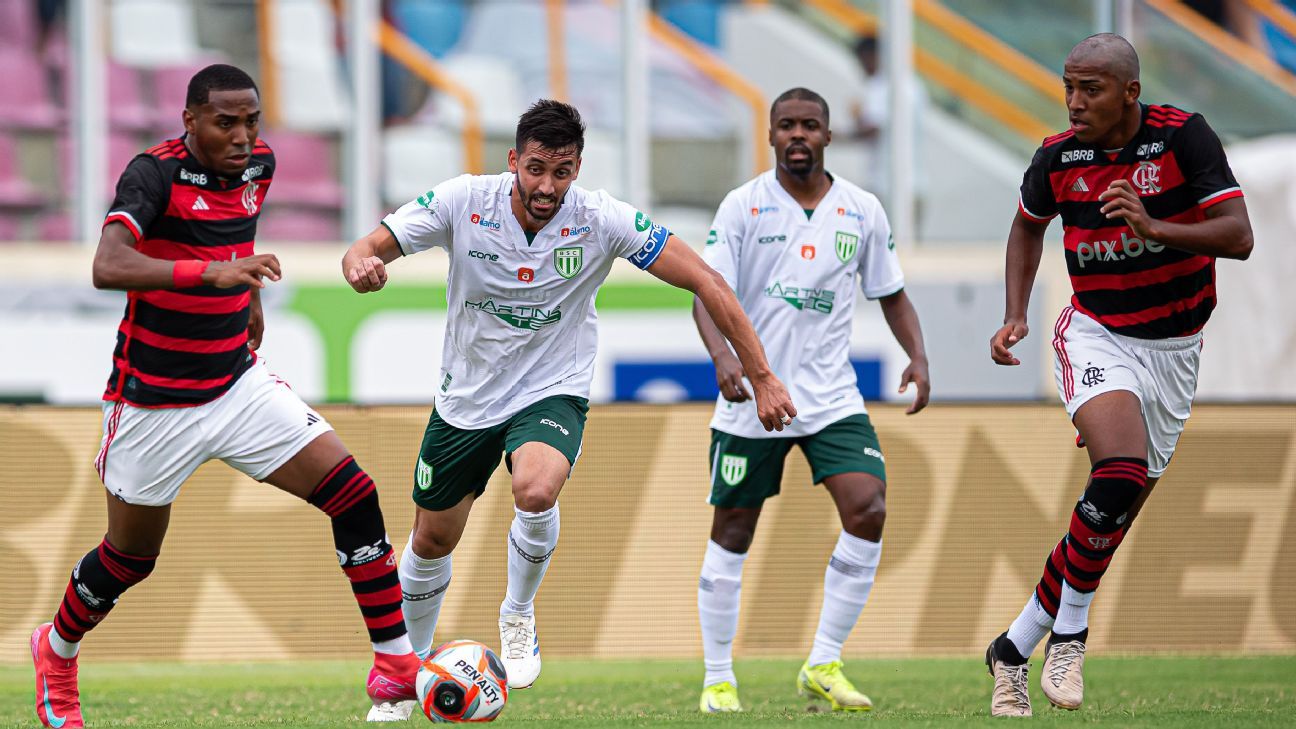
(249, 198)
(733, 469)
(1147, 178)
(847, 244)
(568, 261)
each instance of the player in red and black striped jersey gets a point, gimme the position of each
(186, 387)
(1148, 203)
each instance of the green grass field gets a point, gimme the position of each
(1142, 692)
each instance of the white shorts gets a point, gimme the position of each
(256, 427)
(1162, 372)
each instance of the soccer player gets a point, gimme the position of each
(1147, 203)
(793, 243)
(187, 387)
(528, 251)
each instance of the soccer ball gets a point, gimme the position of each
(462, 680)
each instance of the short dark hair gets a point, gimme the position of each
(553, 124)
(866, 43)
(217, 77)
(800, 93)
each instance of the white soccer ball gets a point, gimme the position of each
(462, 680)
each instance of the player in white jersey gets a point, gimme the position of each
(793, 243)
(528, 251)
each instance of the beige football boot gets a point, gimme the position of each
(1063, 679)
(1011, 695)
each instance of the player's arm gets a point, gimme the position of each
(903, 320)
(1225, 233)
(365, 264)
(118, 265)
(729, 371)
(256, 320)
(679, 266)
(1025, 246)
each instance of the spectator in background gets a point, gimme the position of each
(871, 113)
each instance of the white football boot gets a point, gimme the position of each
(519, 649)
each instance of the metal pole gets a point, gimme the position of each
(1104, 21)
(361, 135)
(1125, 19)
(900, 132)
(634, 107)
(91, 151)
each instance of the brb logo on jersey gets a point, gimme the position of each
(483, 222)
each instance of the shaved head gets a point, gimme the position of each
(1109, 53)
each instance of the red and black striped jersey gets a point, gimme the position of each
(178, 348)
(1135, 287)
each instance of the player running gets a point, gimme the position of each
(528, 251)
(1148, 202)
(187, 387)
(792, 243)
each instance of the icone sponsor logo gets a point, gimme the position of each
(764, 209)
(804, 298)
(520, 316)
(552, 424)
(1115, 250)
(765, 239)
(869, 451)
(488, 689)
(566, 232)
(196, 178)
(253, 171)
(1077, 155)
(484, 256)
(651, 247)
(483, 222)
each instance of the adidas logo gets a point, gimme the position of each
(1079, 186)
(311, 419)
(201, 204)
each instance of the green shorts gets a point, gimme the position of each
(453, 462)
(746, 471)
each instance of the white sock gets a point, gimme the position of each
(394, 647)
(423, 587)
(1073, 611)
(719, 590)
(1030, 627)
(63, 648)
(532, 538)
(847, 583)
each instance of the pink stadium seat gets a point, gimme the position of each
(286, 224)
(303, 170)
(170, 86)
(8, 228)
(56, 228)
(15, 192)
(25, 90)
(121, 148)
(17, 24)
(126, 107)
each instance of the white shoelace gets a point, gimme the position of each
(516, 638)
(1018, 682)
(1063, 655)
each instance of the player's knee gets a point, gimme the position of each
(733, 534)
(428, 544)
(866, 521)
(534, 494)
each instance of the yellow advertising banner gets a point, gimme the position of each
(977, 496)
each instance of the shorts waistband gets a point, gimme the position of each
(1169, 344)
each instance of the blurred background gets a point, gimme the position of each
(936, 106)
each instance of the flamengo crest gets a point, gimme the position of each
(568, 261)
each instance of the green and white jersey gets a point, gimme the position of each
(521, 325)
(795, 277)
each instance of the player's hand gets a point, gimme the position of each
(1123, 202)
(248, 271)
(916, 373)
(1005, 338)
(773, 404)
(256, 324)
(366, 274)
(729, 376)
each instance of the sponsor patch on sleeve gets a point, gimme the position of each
(652, 247)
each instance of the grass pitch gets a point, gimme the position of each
(1142, 692)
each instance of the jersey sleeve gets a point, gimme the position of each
(428, 220)
(723, 250)
(631, 234)
(1037, 201)
(1205, 168)
(142, 195)
(879, 267)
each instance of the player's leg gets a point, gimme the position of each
(847, 458)
(266, 431)
(744, 473)
(542, 442)
(141, 478)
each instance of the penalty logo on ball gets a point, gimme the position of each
(462, 681)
